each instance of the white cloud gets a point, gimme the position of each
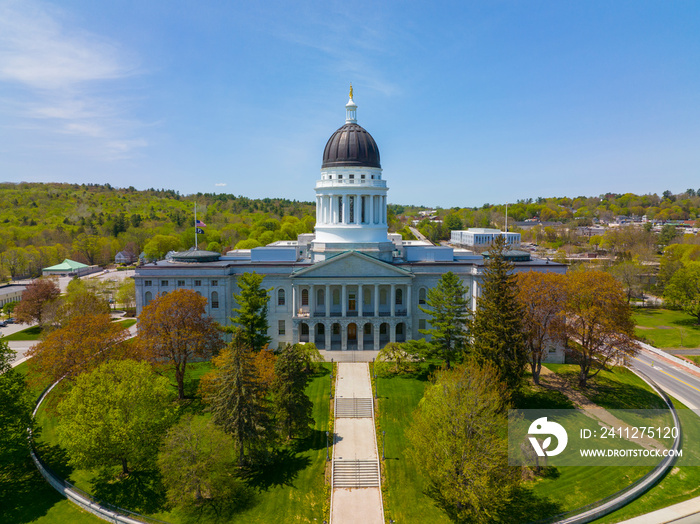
(53, 73)
(221, 184)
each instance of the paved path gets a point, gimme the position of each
(355, 459)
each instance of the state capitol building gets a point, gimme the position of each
(350, 285)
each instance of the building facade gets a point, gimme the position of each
(350, 285)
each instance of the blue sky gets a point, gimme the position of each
(470, 102)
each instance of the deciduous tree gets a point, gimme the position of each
(173, 329)
(237, 398)
(115, 414)
(160, 245)
(543, 300)
(629, 273)
(198, 468)
(449, 318)
(291, 405)
(81, 345)
(252, 310)
(34, 298)
(599, 322)
(497, 334)
(15, 411)
(457, 440)
(684, 289)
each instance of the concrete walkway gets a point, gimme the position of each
(356, 495)
(687, 512)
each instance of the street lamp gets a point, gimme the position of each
(383, 443)
(327, 455)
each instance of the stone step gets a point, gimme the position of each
(355, 473)
(354, 407)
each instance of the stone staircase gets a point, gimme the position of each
(355, 473)
(354, 407)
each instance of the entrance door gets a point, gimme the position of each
(352, 333)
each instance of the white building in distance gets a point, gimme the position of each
(481, 237)
(350, 285)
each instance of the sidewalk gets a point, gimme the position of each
(356, 493)
(690, 509)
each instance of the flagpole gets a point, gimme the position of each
(195, 226)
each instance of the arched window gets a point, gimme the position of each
(214, 300)
(382, 296)
(399, 296)
(399, 329)
(280, 297)
(304, 297)
(148, 297)
(368, 329)
(304, 329)
(421, 295)
(336, 297)
(321, 297)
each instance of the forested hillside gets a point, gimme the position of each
(45, 223)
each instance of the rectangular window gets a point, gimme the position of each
(352, 210)
(180, 283)
(214, 282)
(197, 283)
(163, 282)
(147, 283)
(281, 328)
(421, 323)
(214, 301)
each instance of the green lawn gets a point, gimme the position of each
(404, 497)
(680, 484)
(31, 333)
(127, 323)
(666, 328)
(291, 487)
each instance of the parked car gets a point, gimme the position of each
(10, 320)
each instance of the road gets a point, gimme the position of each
(674, 380)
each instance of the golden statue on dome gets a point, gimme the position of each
(351, 91)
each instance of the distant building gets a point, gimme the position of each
(482, 237)
(350, 285)
(125, 257)
(70, 268)
(10, 293)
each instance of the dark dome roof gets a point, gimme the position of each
(195, 256)
(353, 146)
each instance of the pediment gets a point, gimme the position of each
(352, 264)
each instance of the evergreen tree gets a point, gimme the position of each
(252, 310)
(238, 399)
(15, 412)
(449, 320)
(497, 334)
(291, 404)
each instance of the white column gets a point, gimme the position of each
(312, 300)
(358, 209)
(392, 333)
(408, 301)
(362, 299)
(375, 332)
(370, 206)
(343, 337)
(327, 300)
(344, 301)
(376, 300)
(328, 332)
(392, 299)
(384, 209)
(360, 337)
(346, 209)
(294, 300)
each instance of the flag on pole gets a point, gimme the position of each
(199, 231)
(199, 223)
